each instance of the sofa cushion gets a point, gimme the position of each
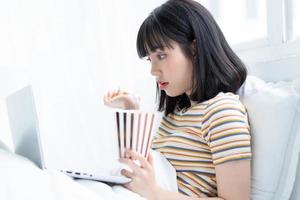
(273, 110)
(3, 146)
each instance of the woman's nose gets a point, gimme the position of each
(154, 70)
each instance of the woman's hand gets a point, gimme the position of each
(142, 176)
(121, 99)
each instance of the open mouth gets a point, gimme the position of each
(163, 85)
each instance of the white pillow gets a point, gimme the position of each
(273, 116)
(4, 147)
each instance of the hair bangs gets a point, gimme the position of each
(151, 36)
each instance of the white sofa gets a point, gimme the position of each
(274, 115)
(276, 131)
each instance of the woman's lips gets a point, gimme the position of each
(163, 85)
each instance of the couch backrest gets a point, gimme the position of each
(286, 69)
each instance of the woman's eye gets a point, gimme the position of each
(161, 56)
(158, 57)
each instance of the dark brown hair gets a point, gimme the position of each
(216, 67)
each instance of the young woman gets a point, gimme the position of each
(204, 132)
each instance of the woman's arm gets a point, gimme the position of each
(161, 194)
(233, 183)
(233, 180)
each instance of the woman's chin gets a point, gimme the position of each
(171, 94)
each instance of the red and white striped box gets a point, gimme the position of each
(134, 130)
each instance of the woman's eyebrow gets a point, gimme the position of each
(157, 49)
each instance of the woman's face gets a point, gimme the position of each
(172, 69)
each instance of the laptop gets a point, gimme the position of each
(60, 136)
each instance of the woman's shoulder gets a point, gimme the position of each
(221, 97)
(222, 101)
(224, 96)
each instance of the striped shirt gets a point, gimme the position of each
(205, 135)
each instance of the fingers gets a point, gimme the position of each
(150, 158)
(131, 164)
(136, 156)
(115, 93)
(106, 97)
(121, 99)
(105, 100)
(128, 186)
(130, 159)
(127, 173)
(111, 94)
(118, 92)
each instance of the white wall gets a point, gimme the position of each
(90, 42)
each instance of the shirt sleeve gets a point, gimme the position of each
(226, 129)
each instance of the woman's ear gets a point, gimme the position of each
(194, 48)
(194, 51)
